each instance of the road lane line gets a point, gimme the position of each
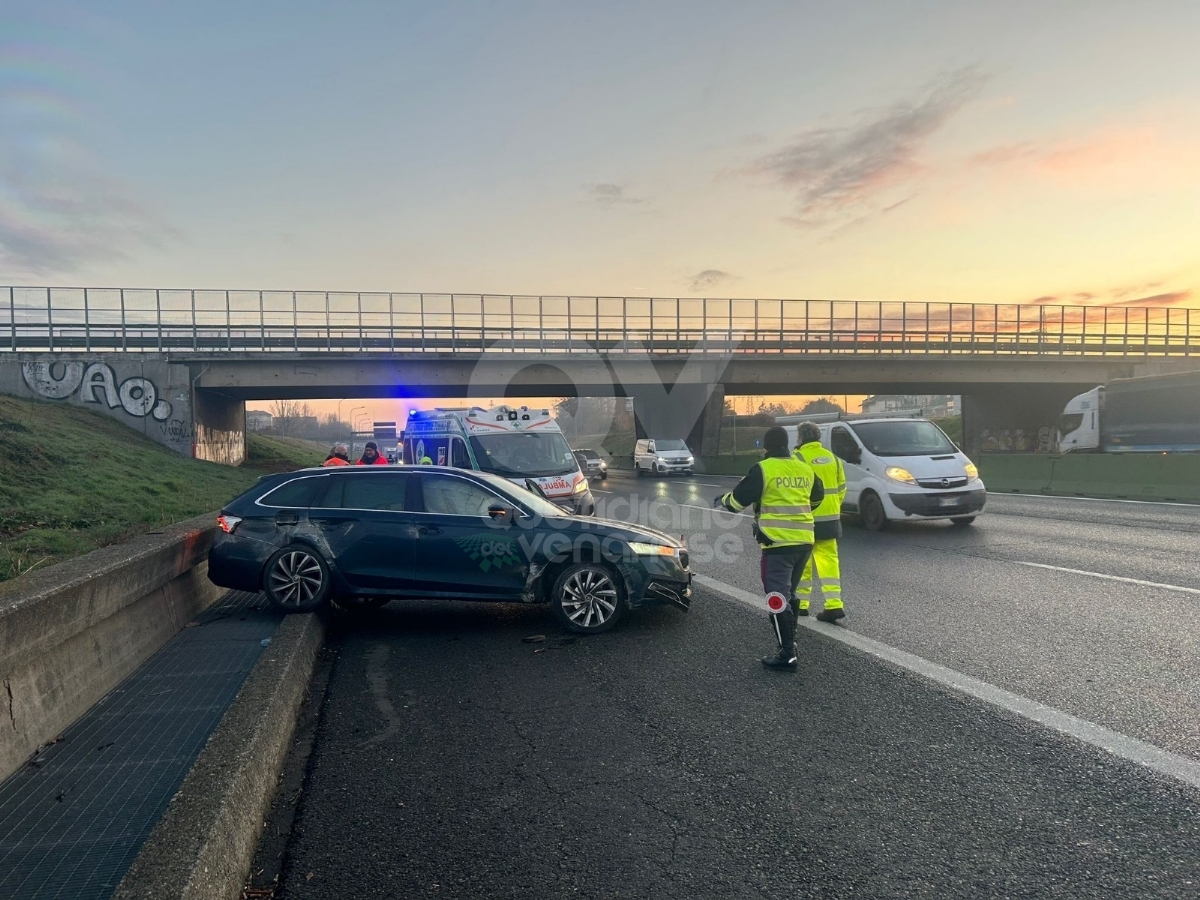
(1153, 584)
(696, 483)
(1131, 749)
(1091, 499)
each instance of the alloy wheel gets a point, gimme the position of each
(296, 579)
(589, 598)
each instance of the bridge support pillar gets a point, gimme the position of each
(1016, 419)
(218, 428)
(691, 412)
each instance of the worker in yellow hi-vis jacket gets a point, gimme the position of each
(782, 490)
(827, 524)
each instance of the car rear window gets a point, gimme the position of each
(382, 492)
(296, 493)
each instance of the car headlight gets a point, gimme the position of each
(898, 474)
(580, 486)
(652, 549)
(972, 470)
(690, 459)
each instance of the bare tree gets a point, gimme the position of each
(287, 412)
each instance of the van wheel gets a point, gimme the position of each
(587, 598)
(870, 510)
(638, 469)
(962, 521)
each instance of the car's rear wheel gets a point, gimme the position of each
(870, 510)
(962, 521)
(587, 598)
(296, 579)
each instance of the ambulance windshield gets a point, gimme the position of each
(515, 454)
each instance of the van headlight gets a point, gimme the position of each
(972, 470)
(652, 549)
(690, 459)
(580, 486)
(898, 474)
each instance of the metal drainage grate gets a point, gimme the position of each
(74, 817)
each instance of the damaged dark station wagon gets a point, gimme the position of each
(357, 536)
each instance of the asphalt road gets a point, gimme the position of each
(452, 759)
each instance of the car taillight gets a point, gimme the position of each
(228, 523)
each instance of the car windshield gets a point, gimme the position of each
(587, 454)
(523, 496)
(514, 454)
(670, 444)
(915, 438)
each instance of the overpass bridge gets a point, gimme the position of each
(210, 351)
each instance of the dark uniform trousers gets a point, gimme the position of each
(781, 568)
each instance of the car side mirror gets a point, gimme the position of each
(855, 457)
(502, 514)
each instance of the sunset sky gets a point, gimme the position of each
(882, 150)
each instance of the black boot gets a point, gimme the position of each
(784, 626)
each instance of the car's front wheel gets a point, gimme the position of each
(962, 521)
(296, 579)
(587, 598)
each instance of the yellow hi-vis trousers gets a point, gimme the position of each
(825, 560)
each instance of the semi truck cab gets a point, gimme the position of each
(1080, 426)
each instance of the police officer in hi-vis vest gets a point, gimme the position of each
(828, 525)
(783, 490)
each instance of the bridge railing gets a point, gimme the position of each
(104, 319)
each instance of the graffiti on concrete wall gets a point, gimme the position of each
(1018, 440)
(96, 383)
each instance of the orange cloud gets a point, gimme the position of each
(1173, 298)
(1114, 156)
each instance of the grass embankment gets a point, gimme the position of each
(72, 480)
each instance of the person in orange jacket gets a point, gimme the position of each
(371, 456)
(339, 455)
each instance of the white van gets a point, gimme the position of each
(663, 456)
(902, 468)
(520, 444)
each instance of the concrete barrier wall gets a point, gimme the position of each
(72, 632)
(144, 391)
(1125, 476)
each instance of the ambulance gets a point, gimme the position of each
(517, 443)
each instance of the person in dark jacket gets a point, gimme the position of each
(783, 490)
(371, 456)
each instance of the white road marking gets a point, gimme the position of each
(720, 509)
(1138, 752)
(1090, 499)
(696, 483)
(1153, 584)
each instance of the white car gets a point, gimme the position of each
(900, 468)
(663, 456)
